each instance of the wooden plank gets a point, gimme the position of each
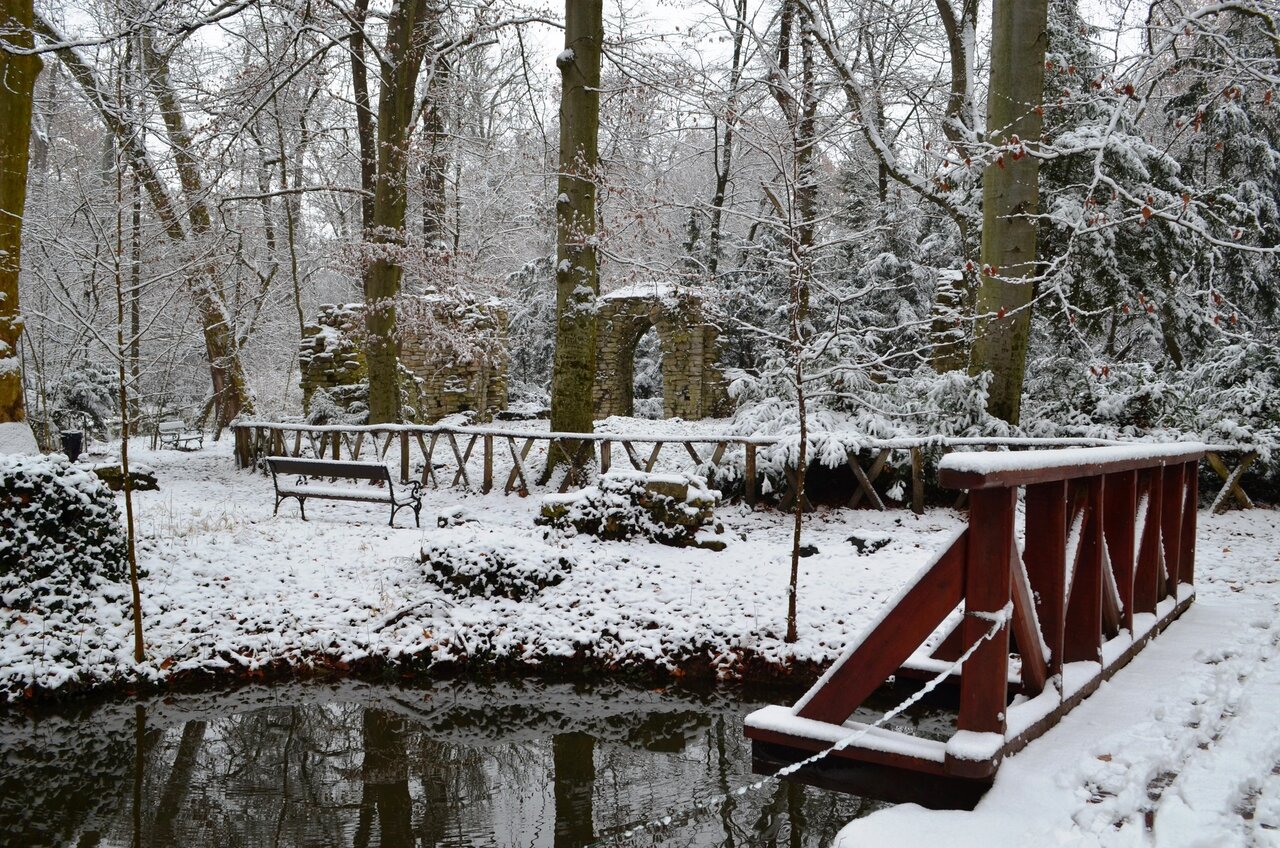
(355, 451)
(297, 443)
(864, 484)
(1045, 559)
(983, 683)
(951, 648)
(335, 444)
(693, 454)
(461, 473)
(1026, 627)
(632, 456)
(1071, 468)
(1171, 524)
(876, 468)
(517, 466)
(606, 456)
(1146, 577)
(577, 464)
(426, 457)
(879, 653)
(1121, 511)
(917, 481)
(653, 457)
(793, 486)
(1231, 480)
(486, 482)
(1191, 487)
(1112, 620)
(1082, 639)
(749, 473)
(404, 456)
(429, 454)
(916, 767)
(718, 454)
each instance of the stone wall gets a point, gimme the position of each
(452, 354)
(692, 382)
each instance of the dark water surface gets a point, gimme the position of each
(457, 764)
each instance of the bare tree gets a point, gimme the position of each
(18, 72)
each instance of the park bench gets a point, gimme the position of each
(174, 434)
(291, 478)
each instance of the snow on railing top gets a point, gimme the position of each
(980, 470)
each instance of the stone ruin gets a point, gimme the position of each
(692, 383)
(452, 351)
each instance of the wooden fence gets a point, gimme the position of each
(480, 458)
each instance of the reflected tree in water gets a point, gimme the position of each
(574, 779)
(385, 776)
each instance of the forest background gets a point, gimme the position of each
(816, 167)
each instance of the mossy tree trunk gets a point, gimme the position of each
(17, 80)
(577, 271)
(1010, 201)
(407, 36)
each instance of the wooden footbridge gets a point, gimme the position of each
(1107, 562)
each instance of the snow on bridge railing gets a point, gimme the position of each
(445, 456)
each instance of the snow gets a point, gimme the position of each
(228, 584)
(986, 462)
(1183, 740)
(16, 437)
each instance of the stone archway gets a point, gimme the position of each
(692, 383)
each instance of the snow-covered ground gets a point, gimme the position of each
(228, 584)
(1182, 747)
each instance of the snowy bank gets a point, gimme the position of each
(230, 591)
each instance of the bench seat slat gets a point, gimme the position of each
(354, 493)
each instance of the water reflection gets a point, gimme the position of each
(458, 764)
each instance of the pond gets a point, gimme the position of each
(455, 764)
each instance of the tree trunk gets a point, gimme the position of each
(1010, 201)
(724, 150)
(401, 61)
(18, 73)
(364, 114)
(573, 783)
(436, 159)
(577, 271)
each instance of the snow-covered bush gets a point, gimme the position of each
(85, 396)
(489, 568)
(665, 508)
(60, 534)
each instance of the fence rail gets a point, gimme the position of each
(480, 458)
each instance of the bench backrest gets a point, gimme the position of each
(171, 426)
(329, 468)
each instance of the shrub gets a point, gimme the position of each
(490, 568)
(666, 508)
(60, 534)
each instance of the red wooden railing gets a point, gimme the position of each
(1107, 561)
